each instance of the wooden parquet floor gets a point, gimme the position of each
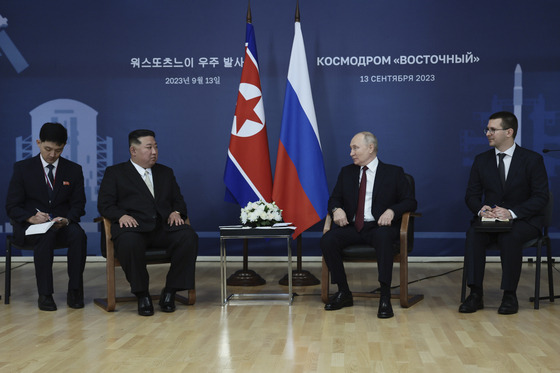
(429, 337)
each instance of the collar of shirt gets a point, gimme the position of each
(372, 169)
(372, 166)
(370, 172)
(507, 159)
(45, 164)
(508, 152)
(141, 170)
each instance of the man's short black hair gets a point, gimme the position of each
(134, 136)
(509, 120)
(53, 132)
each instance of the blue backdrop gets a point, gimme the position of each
(423, 76)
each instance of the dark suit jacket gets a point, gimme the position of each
(123, 192)
(526, 189)
(390, 190)
(28, 191)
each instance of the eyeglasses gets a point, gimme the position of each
(493, 130)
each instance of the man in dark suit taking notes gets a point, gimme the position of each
(366, 204)
(507, 182)
(47, 188)
(144, 203)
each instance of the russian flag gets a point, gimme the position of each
(247, 175)
(300, 182)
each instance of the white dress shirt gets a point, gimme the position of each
(370, 175)
(507, 158)
(46, 170)
(142, 171)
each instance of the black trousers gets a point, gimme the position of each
(382, 238)
(182, 246)
(72, 237)
(510, 245)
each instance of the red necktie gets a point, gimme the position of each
(359, 222)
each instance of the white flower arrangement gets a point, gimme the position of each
(260, 214)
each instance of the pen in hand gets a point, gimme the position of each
(48, 216)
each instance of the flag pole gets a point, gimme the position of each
(249, 19)
(300, 277)
(246, 276)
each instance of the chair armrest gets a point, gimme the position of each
(406, 220)
(404, 230)
(328, 224)
(106, 242)
(107, 226)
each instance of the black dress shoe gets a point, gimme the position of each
(385, 310)
(339, 300)
(145, 306)
(75, 298)
(46, 303)
(509, 305)
(472, 304)
(167, 301)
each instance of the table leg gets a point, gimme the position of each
(245, 276)
(300, 277)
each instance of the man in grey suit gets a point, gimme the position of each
(144, 203)
(506, 182)
(373, 218)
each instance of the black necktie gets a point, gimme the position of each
(359, 221)
(502, 169)
(50, 175)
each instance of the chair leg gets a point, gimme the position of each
(549, 265)
(111, 286)
(8, 272)
(109, 303)
(325, 282)
(464, 282)
(538, 277)
(189, 300)
(192, 296)
(404, 281)
(407, 300)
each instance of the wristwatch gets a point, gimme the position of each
(334, 209)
